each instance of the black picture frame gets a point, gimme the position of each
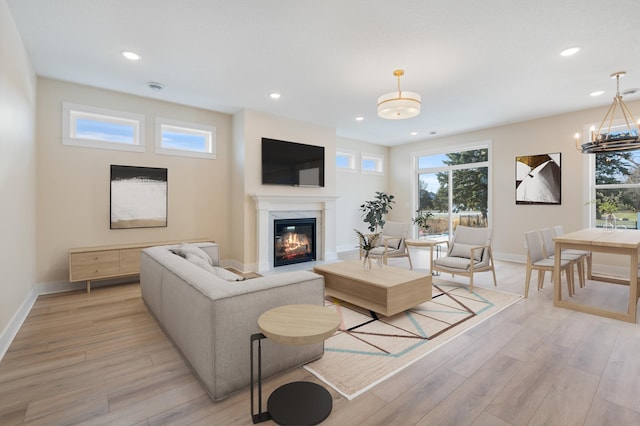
(138, 197)
(539, 179)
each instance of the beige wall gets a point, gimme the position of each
(354, 188)
(73, 182)
(510, 221)
(17, 172)
(251, 127)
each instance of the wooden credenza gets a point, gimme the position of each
(107, 262)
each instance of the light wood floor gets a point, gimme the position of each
(100, 358)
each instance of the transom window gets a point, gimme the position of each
(93, 127)
(346, 161)
(185, 139)
(372, 163)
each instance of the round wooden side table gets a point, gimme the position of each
(298, 402)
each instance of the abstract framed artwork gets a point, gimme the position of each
(538, 179)
(138, 197)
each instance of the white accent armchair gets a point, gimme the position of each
(391, 243)
(469, 253)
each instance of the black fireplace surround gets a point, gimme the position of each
(294, 241)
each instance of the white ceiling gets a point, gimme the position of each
(477, 64)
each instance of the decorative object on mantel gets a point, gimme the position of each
(606, 140)
(366, 244)
(374, 210)
(399, 105)
(422, 220)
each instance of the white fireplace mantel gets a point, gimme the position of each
(268, 205)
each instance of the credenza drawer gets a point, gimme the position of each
(95, 257)
(95, 271)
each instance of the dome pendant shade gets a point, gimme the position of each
(399, 105)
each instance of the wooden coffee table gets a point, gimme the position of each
(385, 290)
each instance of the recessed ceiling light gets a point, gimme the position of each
(413, 133)
(433, 132)
(570, 51)
(132, 56)
(597, 93)
(274, 95)
(359, 118)
(158, 87)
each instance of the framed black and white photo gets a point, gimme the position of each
(538, 179)
(138, 197)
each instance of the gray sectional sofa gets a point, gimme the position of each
(210, 319)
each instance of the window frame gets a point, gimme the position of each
(188, 128)
(590, 190)
(487, 144)
(379, 160)
(352, 158)
(71, 112)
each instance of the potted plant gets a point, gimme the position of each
(367, 243)
(607, 206)
(373, 211)
(422, 220)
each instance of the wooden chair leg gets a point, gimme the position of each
(526, 284)
(540, 278)
(580, 265)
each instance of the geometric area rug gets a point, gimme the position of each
(369, 348)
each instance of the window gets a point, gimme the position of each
(372, 164)
(615, 189)
(346, 161)
(93, 127)
(185, 139)
(454, 187)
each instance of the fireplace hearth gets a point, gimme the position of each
(294, 241)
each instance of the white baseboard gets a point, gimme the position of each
(10, 331)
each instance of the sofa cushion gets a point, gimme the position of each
(185, 249)
(199, 261)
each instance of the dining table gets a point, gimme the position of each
(618, 242)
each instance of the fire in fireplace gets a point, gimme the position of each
(294, 241)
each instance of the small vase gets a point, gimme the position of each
(366, 263)
(610, 222)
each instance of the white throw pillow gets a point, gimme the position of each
(193, 249)
(198, 261)
(464, 250)
(392, 243)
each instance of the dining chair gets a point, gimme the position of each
(549, 248)
(586, 255)
(536, 260)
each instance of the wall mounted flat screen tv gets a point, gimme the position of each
(292, 163)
